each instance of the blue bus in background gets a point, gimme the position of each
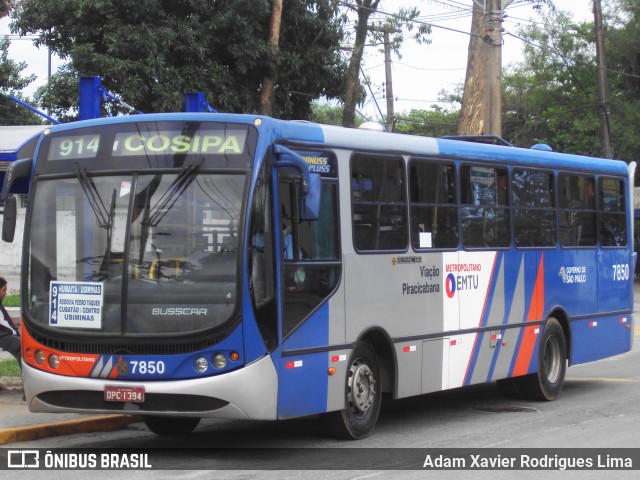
(180, 266)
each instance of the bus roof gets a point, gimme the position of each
(368, 140)
(425, 146)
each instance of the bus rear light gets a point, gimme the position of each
(201, 364)
(54, 361)
(331, 371)
(40, 357)
(234, 356)
(219, 361)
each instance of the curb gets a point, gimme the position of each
(11, 383)
(103, 423)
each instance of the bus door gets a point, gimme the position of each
(615, 271)
(615, 274)
(310, 269)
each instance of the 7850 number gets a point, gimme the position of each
(150, 367)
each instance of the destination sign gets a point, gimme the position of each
(74, 147)
(76, 304)
(207, 142)
(147, 144)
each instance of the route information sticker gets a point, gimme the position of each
(76, 304)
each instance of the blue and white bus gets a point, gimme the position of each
(180, 266)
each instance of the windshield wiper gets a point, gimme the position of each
(152, 216)
(104, 217)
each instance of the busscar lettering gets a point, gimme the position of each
(157, 311)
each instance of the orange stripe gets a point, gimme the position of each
(529, 338)
(78, 364)
(536, 309)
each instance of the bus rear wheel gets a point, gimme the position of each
(363, 396)
(547, 382)
(171, 425)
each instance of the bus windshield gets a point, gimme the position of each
(143, 252)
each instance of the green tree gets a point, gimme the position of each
(436, 122)
(398, 23)
(12, 81)
(150, 52)
(551, 96)
(322, 112)
(622, 46)
(5, 6)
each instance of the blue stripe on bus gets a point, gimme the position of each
(489, 304)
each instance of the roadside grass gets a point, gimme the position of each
(9, 368)
(11, 300)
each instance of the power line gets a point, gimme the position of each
(565, 58)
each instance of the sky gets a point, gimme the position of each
(418, 77)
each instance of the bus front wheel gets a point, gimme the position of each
(363, 396)
(171, 425)
(547, 382)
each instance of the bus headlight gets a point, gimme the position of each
(39, 357)
(219, 361)
(54, 361)
(201, 365)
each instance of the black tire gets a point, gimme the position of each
(362, 396)
(546, 384)
(167, 426)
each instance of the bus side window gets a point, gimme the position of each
(577, 210)
(534, 208)
(612, 206)
(310, 252)
(378, 203)
(433, 204)
(484, 207)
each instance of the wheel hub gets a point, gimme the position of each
(361, 387)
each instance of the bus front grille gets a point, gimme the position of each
(106, 347)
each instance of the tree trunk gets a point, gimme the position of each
(365, 9)
(271, 74)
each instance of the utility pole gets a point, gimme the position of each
(603, 82)
(493, 44)
(386, 30)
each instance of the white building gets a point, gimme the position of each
(16, 142)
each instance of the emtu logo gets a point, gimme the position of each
(450, 285)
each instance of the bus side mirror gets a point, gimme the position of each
(16, 170)
(9, 219)
(310, 203)
(311, 184)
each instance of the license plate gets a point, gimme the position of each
(114, 393)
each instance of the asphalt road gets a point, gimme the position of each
(598, 408)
